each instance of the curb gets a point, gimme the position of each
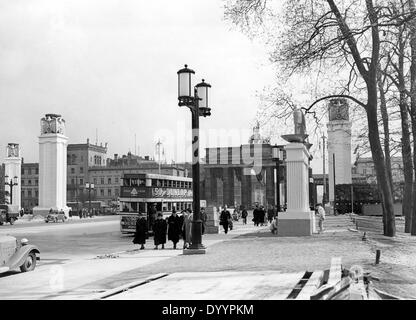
(128, 286)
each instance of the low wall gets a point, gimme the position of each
(376, 209)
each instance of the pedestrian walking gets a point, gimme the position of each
(262, 215)
(186, 228)
(273, 226)
(80, 213)
(225, 219)
(159, 231)
(270, 214)
(203, 219)
(244, 215)
(256, 213)
(321, 217)
(141, 231)
(174, 228)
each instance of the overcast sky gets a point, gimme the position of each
(111, 66)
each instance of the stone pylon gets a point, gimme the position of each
(339, 145)
(298, 220)
(13, 174)
(52, 165)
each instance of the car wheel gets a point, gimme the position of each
(11, 221)
(30, 263)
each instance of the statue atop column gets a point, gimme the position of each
(299, 134)
(52, 123)
(12, 150)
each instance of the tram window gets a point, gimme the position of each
(126, 182)
(159, 183)
(154, 182)
(169, 183)
(173, 184)
(169, 206)
(134, 182)
(142, 182)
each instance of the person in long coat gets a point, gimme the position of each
(225, 219)
(159, 231)
(141, 231)
(186, 228)
(174, 228)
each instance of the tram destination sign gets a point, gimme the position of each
(171, 193)
(146, 192)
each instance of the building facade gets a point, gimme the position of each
(243, 175)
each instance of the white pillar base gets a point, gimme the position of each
(295, 224)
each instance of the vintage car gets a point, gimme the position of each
(55, 217)
(6, 214)
(15, 254)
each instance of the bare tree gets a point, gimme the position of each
(346, 35)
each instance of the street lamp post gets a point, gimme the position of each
(198, 105)
(11, 184)
(277, 155)
(89, 186)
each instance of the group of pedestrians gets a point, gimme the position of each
(172, 229)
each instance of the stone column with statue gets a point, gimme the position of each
(52, 165)
(298, 219)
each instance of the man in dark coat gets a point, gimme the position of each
(225, 219)
(141, 231)
(174, 228)
(256, 214)
(159, 231)
(244, 215)
(270, 214)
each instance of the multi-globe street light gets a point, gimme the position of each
(13, 182)
(197, 102)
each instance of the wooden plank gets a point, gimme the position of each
(335, 271)
(313, 283)
(357, 291)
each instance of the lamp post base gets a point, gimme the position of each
(190, 251)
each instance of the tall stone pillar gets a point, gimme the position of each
(339, 146)
(298, 220)
(52, 165)
(13, 171)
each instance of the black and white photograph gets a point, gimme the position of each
(220, 152)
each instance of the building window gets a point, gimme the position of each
(109, 192)
(36, 182)
(364, 171)
(23, 171)
(95, 180)
(23, 193)
(102, 192)
(36, 193)
(117, 192)
(82, 158)
(23, 182)
(72, 181)
(81, 170)
(29, 182)
(117, 181)
(72, 170)
(29, 193)
(109, 180)
(36, 171)
(102, 180)
(81, 181)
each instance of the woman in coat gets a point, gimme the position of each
(186, 228)
(159, 231)
(141, 231)
(174, 228)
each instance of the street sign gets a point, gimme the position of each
(203, 203)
